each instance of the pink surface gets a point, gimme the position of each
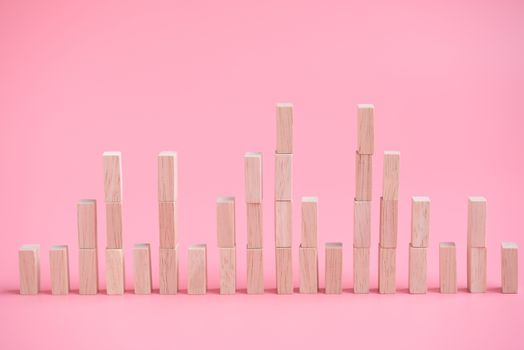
(81, 77)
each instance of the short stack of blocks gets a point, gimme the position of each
(448, 267)
(419, 245)
(142, 268)
(29, 269)
(197, 269)
(88, 247)
(226, 244)
(333, 273)
(477, 252)
(308, 254)
(59, 266)
(509, 267)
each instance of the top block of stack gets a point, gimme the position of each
(113, 177)
(284, 128)
(391, 175)
(365, 129)
(477, 221)
(253, 177)
(226, 222)
(86, 221)
(420, 221)
(167, 176)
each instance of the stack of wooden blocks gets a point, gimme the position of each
(59, 266)
(197, 269)
(29, 269)
(284, 198)
(418, 248)
(226, 244)
(448, 267)
(477, 259)
(142, 268)
(87, 243)
(509, 267)
(308, 254)
(333, 272)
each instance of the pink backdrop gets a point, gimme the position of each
(202, 78)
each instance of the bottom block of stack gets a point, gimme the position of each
(168, 258)
(255, 271)
(142, 268)
(284, 269)
(59, 265)
(29, 268)
(87, 271)
(360, 270)
(448, 267)
(418, 270)
(115, 271)
(477, 269)
(333, 276)
(228, 271)
(509, 267)
(197, 269)
(308, 261)
(387, 270)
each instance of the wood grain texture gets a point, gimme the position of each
(388, 226)
(115, 275)
(361, 270)
(284, 270)
(283, 177)
(142, 268)
(88, 271)
(509, 267)
(477, 269)
(226, 222)
(168, 224)
(59, 269)
(197, 269)
(228, 270)
(420, 221)
(365, 128)
(168, 270)
(391, 176)
(309, 222)
(448, 267)
(418, 265)
(29, 269)
(363, 177)
(283, 223)
(253, 177)
(308, 261)
(255, 271)
(361, 224)
(477, 221)
(112, 176)
(114, 225)
(167, 176)
(254, 225)
(333, 272)
(284, 128)
(86, 223)
(387, 270)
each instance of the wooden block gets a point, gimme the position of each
(253, 177)
(114, 225)
(113, 176)
(284, 128)
(59, 266)
(87, 271)
(387, 270)
(86, 222)
(142, 268)
(361, 224)
(448, 267)
(363, 177)
(361, 270)
(284, 270)
(228, 270)
(418, 266)
(388, 223)
(255, 271)
(115, 271)
(309, 222)
(168, 220)
(509, 267)
(420, 221)
(167, 176)
(365, 128)
(308, 261)
(283, 177)
(197, 269)
(29, 269)
(477, 221)
(477, 264)
(168, 258)
(226, 222)
(283, 223)
(254, 225)
(333, 276)
(391, 175)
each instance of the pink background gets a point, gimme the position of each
(202, 78)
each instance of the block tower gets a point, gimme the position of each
(418, 248)
(308, 254)
(226, 239)
(87, 242)
(476, 263)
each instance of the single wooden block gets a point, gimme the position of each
(363, 177)
(253, 177)
(361, 224)
(226, 222)
(87, 271)
(509, 267)
(284, 267)
(365, 128)
(477, 221)
(113, 176)
(418, 267)
(284, 128)
(283, 223)
(114, 225)
(197, 269)
(309, 222)
(255, 271)
(420, 221)
(308, 260)
(167, 176)
(448, 267)
(388, 223)
(29, 269)
(168, 220)
(59, 266)
(283, 177)
(168, 281)
(142, 268)
(115, 275)
(228, 270)
(333, 275)
(361, 270)
(387, 270)
(254, 225)
(477, 269)
(391, 175)
(86, 222)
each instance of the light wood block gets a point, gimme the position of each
(284, 128)
(284, 267)
(283, 177)
(387, 270)
(388, 223)
(255, 271)
(309, 222)
(86, 223)
(361, 224)
(197, 269)
(283, 223)
(254, 225)
(365, 128)
(113, 176)
(361, 270)
(228, 270)
(114, 225)
(363, 177)
(420, 221)
(391, 175)
(477, 221)
(308, 260)
(168, 280)
(142, 268)
(448, 267)
(333, 275)
(59, 266)
(226, 222)
(418, 267)
(167, 176)
(29, 269)
(168, 220)
(87, 271)
(115, 276)
(509, 267)
(477, 273)
(253, 177)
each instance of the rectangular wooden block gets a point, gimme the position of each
(167, 176)
(168, 220)
(228, 270)
(477, 265)
(283, 177)
(87, 271)
(387, 270)
(168, 269)
(226, 222)
(284, 267)
(363, 177)
(477, 221)
(86, 223)
(114, 225)
(115, 276)
(365, 128)
(420, 221)
(391, 175)
(254, 225)
(255, 271)
(361, 270)
(142, 268)
(283, 223)
(197, 269)
(333, 275)
(448, 267)
(509, 267)
(361, 224)
(253, 177)
(29, 269)
(308, 261)
(112, 176)
(284, 128)
(418, 266)
(388, 223)
(309, 222)
(59, 266)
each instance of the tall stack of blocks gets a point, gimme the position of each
(418, 248)
(88, 247)
(308, 254)
(477, 259)
(226, 244)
